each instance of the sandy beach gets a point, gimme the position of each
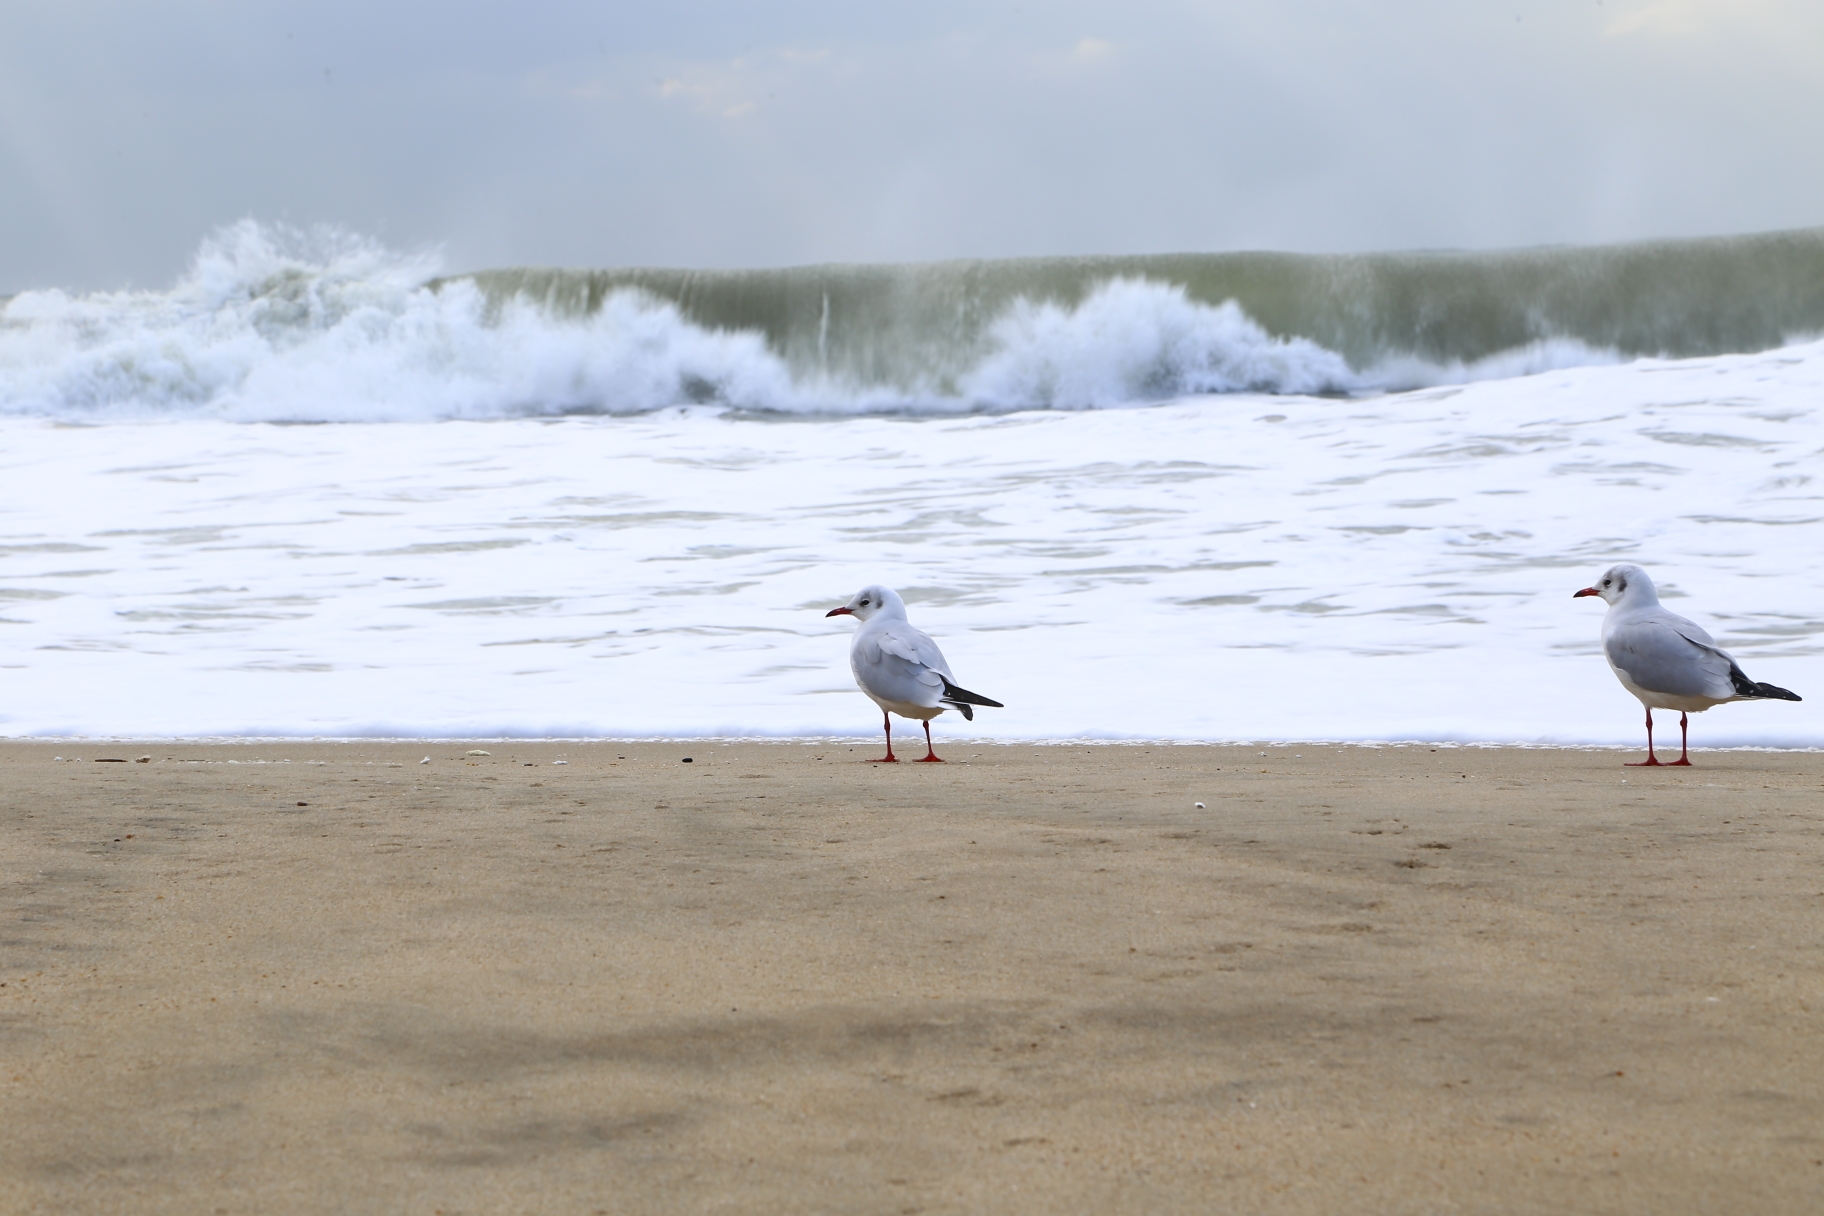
(302, 977)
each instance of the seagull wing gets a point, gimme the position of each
(1691, 631)
(894, 660)
(1660, 655)
(902, 640)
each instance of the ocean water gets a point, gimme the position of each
(312, 489)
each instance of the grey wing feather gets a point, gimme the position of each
(1661, 657)
(1691, 631)
(914, 646)
(890, 664)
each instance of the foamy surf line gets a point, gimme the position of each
(1218, 568)
(847, 741)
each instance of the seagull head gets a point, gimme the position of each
(1624, 582)
(871, 601)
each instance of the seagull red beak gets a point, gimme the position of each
(846, 612)
(1577, 595)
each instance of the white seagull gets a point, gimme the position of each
(901, 668)
(1665, 660)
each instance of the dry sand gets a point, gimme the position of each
(305, 977)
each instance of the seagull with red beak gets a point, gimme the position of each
(900, 667)
(1665, 660)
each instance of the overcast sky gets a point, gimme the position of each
(772, 132)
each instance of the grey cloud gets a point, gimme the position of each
(736, 134)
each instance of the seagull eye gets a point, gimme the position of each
(1605, 582)
(864, 603)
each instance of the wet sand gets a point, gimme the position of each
(294, 977)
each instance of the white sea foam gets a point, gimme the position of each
(1236, 566)
(278, 325)
(1133, 340)
(1402, 373)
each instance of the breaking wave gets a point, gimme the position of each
(278, 324)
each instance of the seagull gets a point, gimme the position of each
(1665, 660)
(901, 668)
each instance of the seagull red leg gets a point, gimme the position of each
(886, 720)
(931, 757)
(1684, 740)
(1651, 761)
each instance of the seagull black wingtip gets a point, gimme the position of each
(1754, 690)
(962, 696)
